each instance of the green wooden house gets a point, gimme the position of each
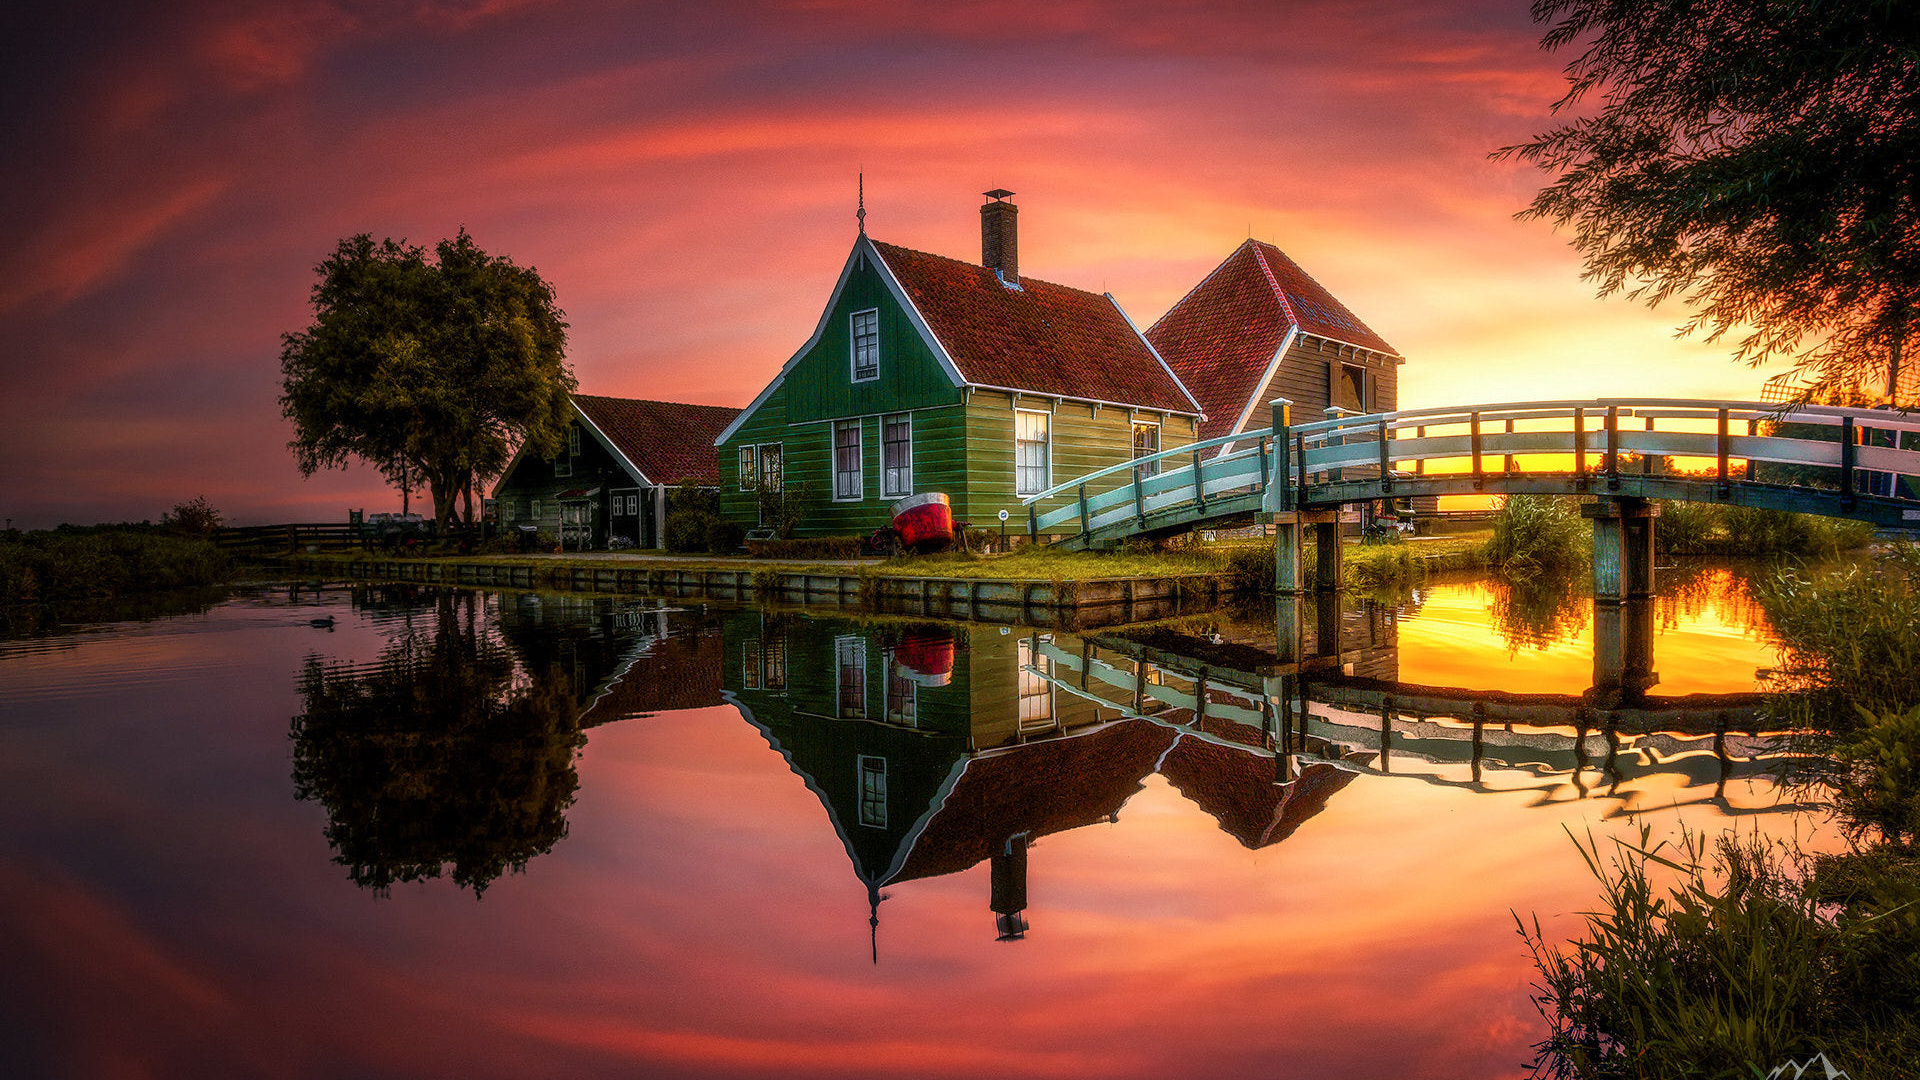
(608, 485)
(927, 373)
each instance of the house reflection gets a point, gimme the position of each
(936, 748)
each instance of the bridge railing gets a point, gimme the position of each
(1603, 437)
(1593, 437)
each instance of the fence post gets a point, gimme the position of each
(1337, 436)
(1199, 489)
(1473, 436)
(1033, 522)
(1723, 489)
(1847, 456)
(1279, 487)
(1086, 519)
(1646, 459)
(1386, 465)
(1139, 497)
(1580, 443)
(1613, 448)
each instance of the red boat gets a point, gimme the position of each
(924, 522)
(927, 656)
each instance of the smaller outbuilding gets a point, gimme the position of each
(608, 485)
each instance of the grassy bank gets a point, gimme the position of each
(1751, 956)
(68, 565)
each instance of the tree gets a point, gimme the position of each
(428, 371)
(1756, 159)
(196, 516)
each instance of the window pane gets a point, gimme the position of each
(770, 467)
(1146, 440)
(851, 654)
(1030, 452)
(847, 466)
(748, 474)
(896, 456)
(866, 345)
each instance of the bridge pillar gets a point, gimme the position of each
(1623, 584)
(1326, 546)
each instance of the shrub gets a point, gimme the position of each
(1539, 534)
(1878, 787)
(813, 547)
(691, 511)
(783, 508)
(723, 536)
(196, 517)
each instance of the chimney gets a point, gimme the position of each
(1000, 235)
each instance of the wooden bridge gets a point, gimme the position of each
(1837, 462)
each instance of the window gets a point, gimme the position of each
(873, 792)
(903, 695)
(866, 345)
(750, 653)
(1146, 440)
(1032, 445)
(848, 482)
(573, 441)
(1352, 392)
(1036, 691)
(563, 466)
(533, 509)
(633, 505)
(770, 466)
(773, 667)
(850, 655)
(896, 455)
(749, 469)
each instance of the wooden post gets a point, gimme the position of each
(1199, 489)
(1847, 456)
(1033, 522)
(1281, 500)
(1386, 466)
(1336, 436)
(1613, 448)
(1479, 479)
(1507, 459)
(1300, 455)
(1139, 497)
(1263, 462)
(1580, 443)
(1723, 489)
(1646, 459)
(1086, 519)
(1420, 463)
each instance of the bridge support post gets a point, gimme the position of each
(1327, 561)
(1623, 585)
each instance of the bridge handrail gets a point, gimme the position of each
(1691, 408)
(1184, 450)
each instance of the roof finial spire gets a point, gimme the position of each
(860, 215)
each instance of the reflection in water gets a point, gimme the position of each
(1540, 611)
(438, 756)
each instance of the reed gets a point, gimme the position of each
(1539, 534)
(74, 564)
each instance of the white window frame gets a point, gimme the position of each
(873, 811)
(1017, 488)
(887, 473)
(760, 471)
(573, 441)
(853, 344)
(1152, 468)
(749, 477)
(859, 429)
(849, 652)
(899, 683)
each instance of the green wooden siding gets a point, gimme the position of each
(821, 385)
(1085, 439)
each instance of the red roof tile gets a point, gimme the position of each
(1039, 337)
(1040, 788)
(666, 440)
(1221, 336)
(1237, 789)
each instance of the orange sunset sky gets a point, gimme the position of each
(684, 175)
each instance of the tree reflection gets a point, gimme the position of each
(437, 759)
(1539, 611)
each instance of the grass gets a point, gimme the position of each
(68, 564)
(1690, 528)
(1742, 963)
(1539, 535)
(1847, 638)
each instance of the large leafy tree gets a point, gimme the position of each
(431, 371)
(1757, 160)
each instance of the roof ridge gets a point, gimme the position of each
(1286, 302)
(1023, 279)
(1221, 265)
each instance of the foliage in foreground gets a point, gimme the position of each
(69, 564)
(1847, 639)
(1692, 528)
(1751, 158)
(1740, 965)
(1539, 534)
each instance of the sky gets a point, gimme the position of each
(684, 174)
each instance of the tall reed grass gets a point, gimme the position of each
(69, 564)
(1536, 535)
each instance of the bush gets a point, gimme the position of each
(1846, 639)
(691, 512)
(195, 517)
(1739, 967)
(783, 508)
(1878, 787)
(820, 547)
(1539, 534)
(89, 564)
(724, 537)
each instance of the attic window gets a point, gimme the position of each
(866, 345)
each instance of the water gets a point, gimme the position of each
(507, 835)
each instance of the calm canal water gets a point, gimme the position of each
(475, 835)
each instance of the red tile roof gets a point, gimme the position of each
(1220, 337)
(666, 440)
(1038, 337)
(1237, 789)
(1040, 788)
